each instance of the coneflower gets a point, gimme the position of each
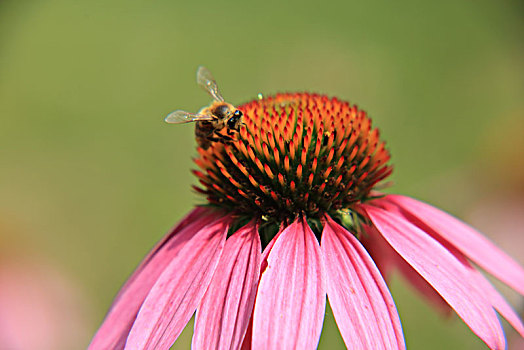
(293, 215)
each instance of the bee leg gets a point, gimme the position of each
(229, 140)
(223, 138)
(213, 139)
(233, 134)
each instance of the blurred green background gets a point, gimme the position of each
(91, 177)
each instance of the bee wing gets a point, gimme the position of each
(207, 82)
(179, 116)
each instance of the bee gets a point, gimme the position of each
(210, 120)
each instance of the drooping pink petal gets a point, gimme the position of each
(225, 311)
(483, 285)
(443, 271)
(387, 259)
(362, 305)
(470, 242)
(499, 303)
(117, 324)
(179, 289)
(291, 297)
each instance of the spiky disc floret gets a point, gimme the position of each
(297, 154)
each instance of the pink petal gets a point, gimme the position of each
(291, 297)
(117, 324)
(194, 217)
(179, 289)
(387, 259)
(498, 302)
(470, 242)
(224, 314)
(443, 271)
(484, 287)
(246, 344)
(361, 302)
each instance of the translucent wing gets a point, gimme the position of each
(179, 116)
(207, 82)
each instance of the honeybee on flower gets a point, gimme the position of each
(293, 216)
(211, 120)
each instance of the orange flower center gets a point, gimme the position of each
(297, 154)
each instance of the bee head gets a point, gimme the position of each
(234, 121)
(222, 111)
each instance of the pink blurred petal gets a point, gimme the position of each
(224, 314)
(117, 324)
(443, 271)
(470, 242)
(291, 296)
(387, 260)
(179, 289)
(362, 305)
(40, 306)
